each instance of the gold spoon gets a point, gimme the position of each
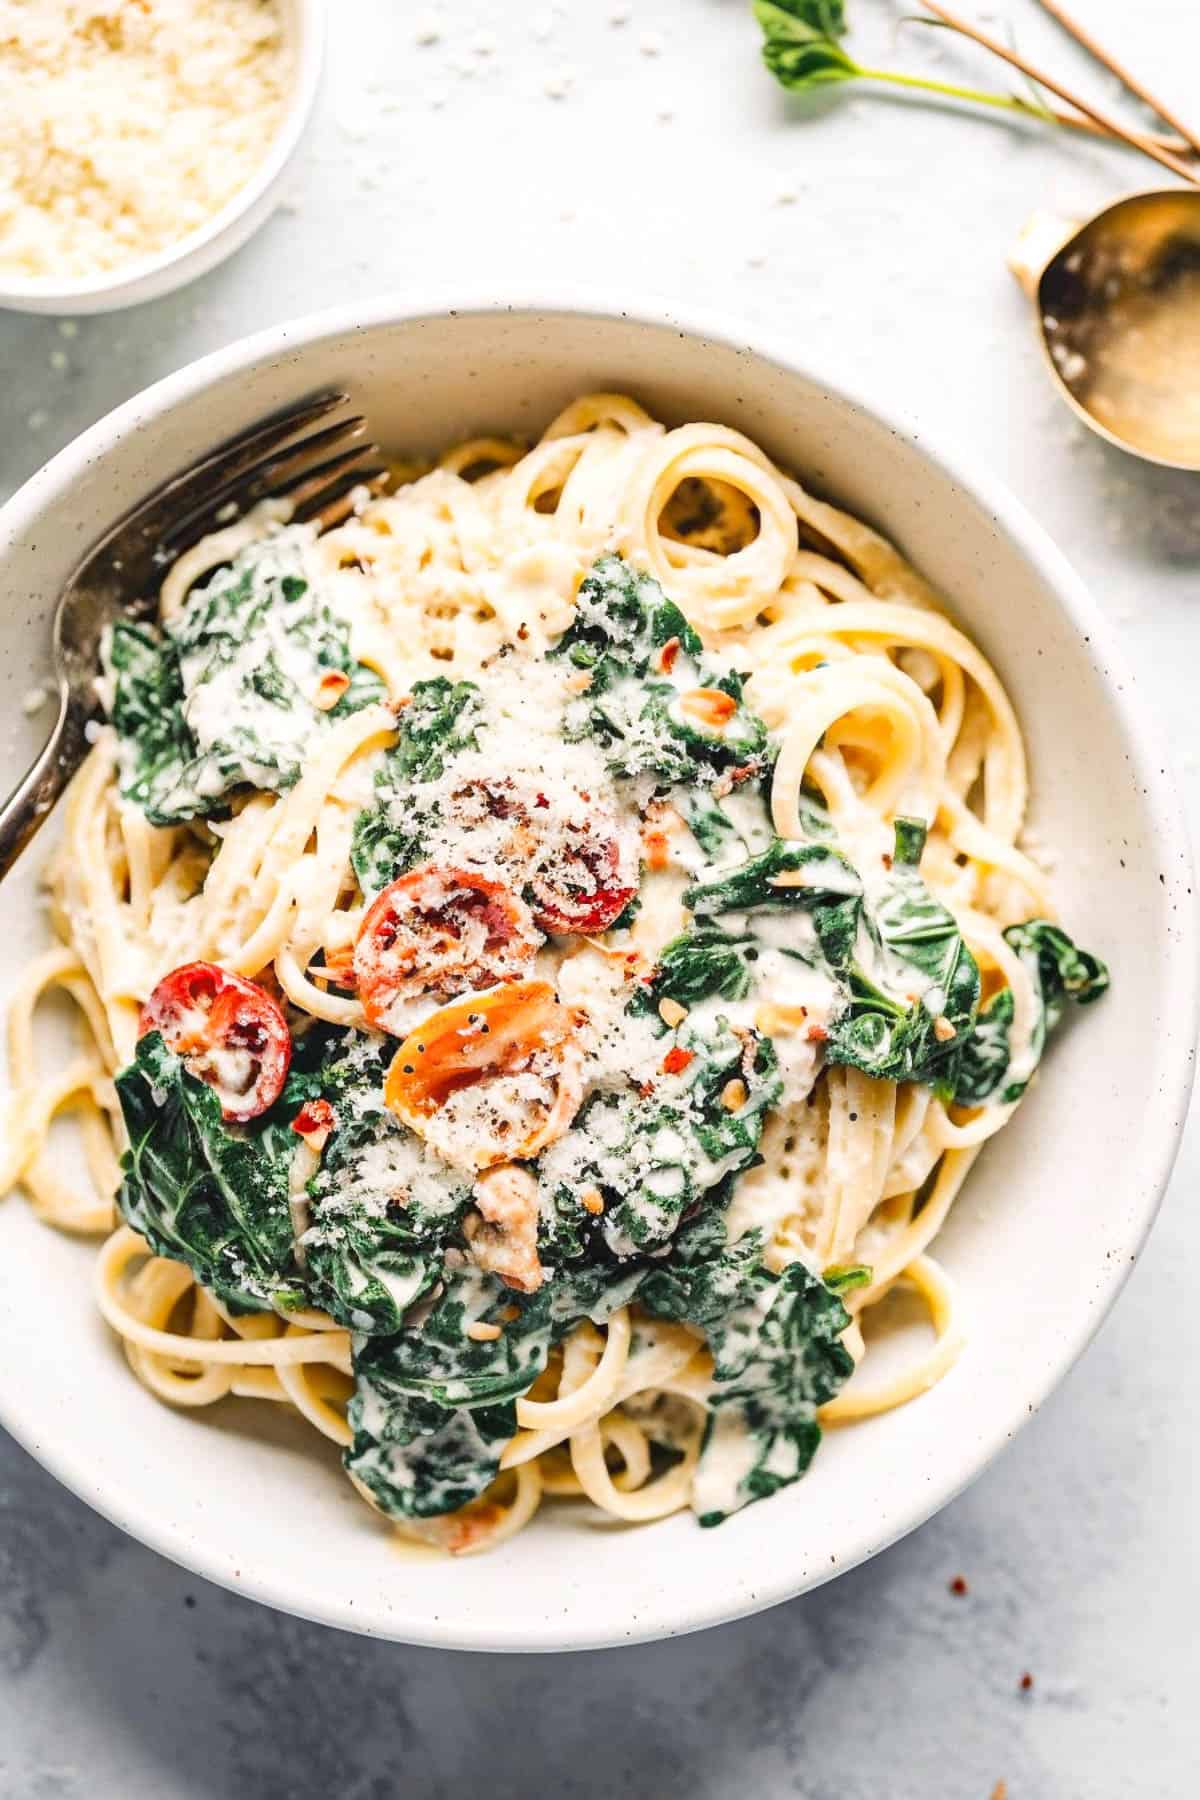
(1118, 309)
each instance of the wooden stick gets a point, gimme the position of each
(1103, 119)
(1090, 44)
(1179, 146)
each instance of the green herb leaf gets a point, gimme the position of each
(382, 1209)
(622, 620)
(899, 958)
(441, 720)
(1060, 971)
(418, 1460)
(801, 50)
(433, 1408)
(702, 965)
(224, 697)
(206, 1193)
(777, 1356)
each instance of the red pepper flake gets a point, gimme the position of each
(886, 860)
(1026, 1682)
(645, 1089)
(744, 772)
(816, 1034)
(314, 1123)
(667, 655)
(676, 1060)
(330, 688)
(959, 1585)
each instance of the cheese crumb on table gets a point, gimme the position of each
(127, 127)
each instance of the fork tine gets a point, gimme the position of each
(241, 452)
(335, 501)
(307, 484)
(250, 484)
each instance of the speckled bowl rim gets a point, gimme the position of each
(1161, 1124)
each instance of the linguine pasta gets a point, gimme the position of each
(847, 871)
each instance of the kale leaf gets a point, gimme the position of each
(433, 1409)
(382, 1209)
(622, 623)
(777, 1357)
(147, 712)
(418, 1460)
(441, 720)
(655, 1156)
(792, 877)
(1060, 971)
(910, 986)
(887, 1030)
(983, 1067)
(703, 964)
(224, 697)
(208, 1194)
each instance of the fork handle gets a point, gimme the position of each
(31, 801)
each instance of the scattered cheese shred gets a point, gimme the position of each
(126, 126)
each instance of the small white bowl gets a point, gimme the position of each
(149, 277)
(1054, 1213)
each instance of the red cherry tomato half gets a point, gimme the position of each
(582, 889)
(229, 1032)
(438, 931)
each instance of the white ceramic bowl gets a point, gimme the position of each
(149, 277)
(1053, 1215)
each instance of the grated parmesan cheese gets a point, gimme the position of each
(123, 127)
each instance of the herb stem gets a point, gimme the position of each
(1011, 102)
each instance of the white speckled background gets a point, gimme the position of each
(877, 228)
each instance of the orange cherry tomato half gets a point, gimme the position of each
(582, 889)
(514, 1048)
(229, 1032)
(438, 931)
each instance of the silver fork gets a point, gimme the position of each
(121, 574)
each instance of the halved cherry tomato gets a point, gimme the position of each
(229, 1032)
(438, 931)
(500, 1036)
(581, 888)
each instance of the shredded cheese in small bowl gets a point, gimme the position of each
(141, 141)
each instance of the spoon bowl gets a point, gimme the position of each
(1118, 309)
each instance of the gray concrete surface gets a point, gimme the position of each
(872, 229)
